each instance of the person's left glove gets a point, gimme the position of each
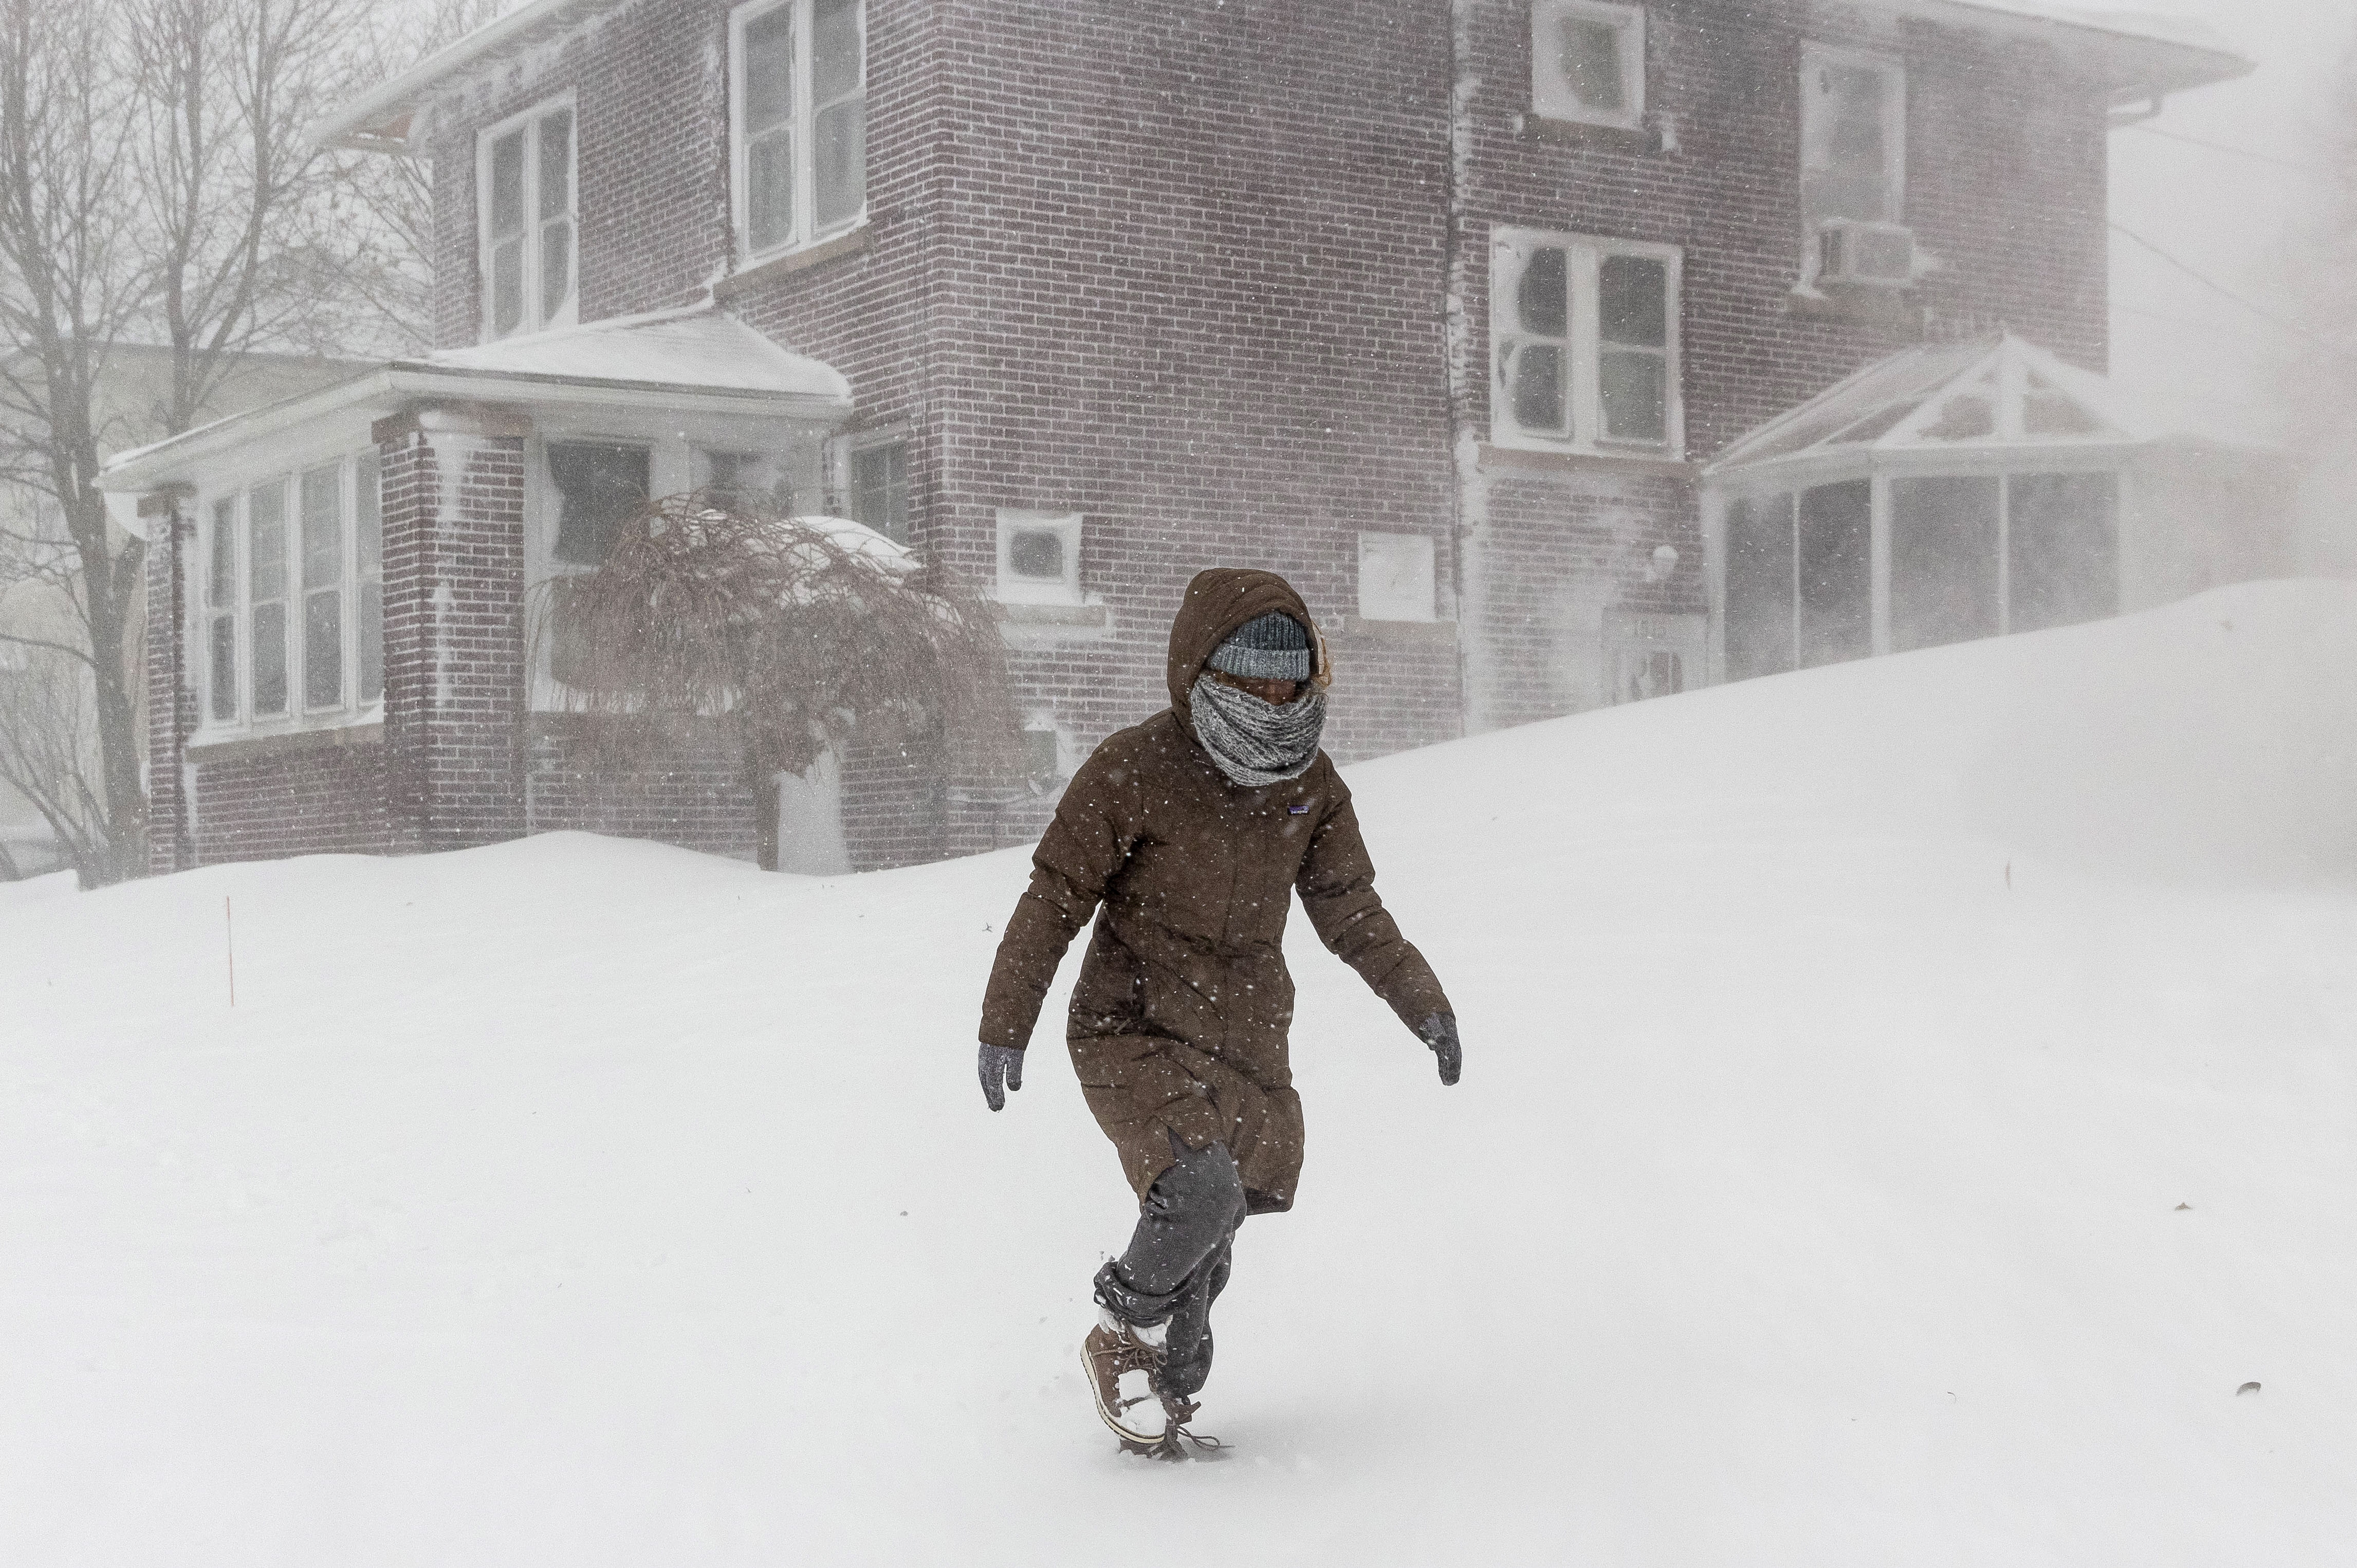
(1440, 1031)
(1002, 1070)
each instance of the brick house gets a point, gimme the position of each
(1443, 310)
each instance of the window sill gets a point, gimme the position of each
(1553, 462)
(280, 743)
(1634, 139)
(1855, 305)
(850, 242)
(1409, 631)
(1089, 615)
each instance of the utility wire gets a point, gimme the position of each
(2216, 287)
(2223, 147)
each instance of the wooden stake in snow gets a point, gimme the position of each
(229, 945)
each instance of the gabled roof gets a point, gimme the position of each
(1944, 399)
(699, 347)
(2130, 52)
(696, 360)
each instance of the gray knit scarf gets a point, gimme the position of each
(1256, 743)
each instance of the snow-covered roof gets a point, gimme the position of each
(1942, 402)
(2135, 53)
(378, 120)
(699, 347)
(2132, 51)
(699, 360)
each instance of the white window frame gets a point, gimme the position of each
(804, 231)
(1016, 589)
(1814, 55)
(568, 311)
(1551, 99)
(349, 709)
(1585, 255)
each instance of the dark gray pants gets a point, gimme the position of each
(1178, 1261)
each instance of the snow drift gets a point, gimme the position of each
(1904, 1103)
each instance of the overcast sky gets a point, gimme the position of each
(2225, 214)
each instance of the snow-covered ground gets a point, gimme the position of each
(1903, 1104)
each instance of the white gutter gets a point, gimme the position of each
(401, 382)
(2179, 43)
(367, 122)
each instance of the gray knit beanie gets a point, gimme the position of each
(1274, 648)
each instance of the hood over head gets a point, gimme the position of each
(1218, 602)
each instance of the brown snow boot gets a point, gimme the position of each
(1121, 1361)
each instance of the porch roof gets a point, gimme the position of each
(699, 360)
(1975, 401)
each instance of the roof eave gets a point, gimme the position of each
(2145, 64)
(380, 119)
(393, 385)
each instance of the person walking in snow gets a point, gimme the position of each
(1193, 830)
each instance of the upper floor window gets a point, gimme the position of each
(798, 112)
(1853, 157)
(292, 614)
(1584, 335)
(1587, 61)
(524, 175)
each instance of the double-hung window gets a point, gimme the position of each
(798, 121)
(292, 616)
(1853, 144)
(526, 195)
(1587, 62)
(1584, 337)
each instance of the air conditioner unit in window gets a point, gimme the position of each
(1869, 255)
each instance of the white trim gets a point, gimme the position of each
(1016, 589)
(800, 131)
(299, 716)
(535, 315)
(396, 386)
(1585, 255)
(1551, 99)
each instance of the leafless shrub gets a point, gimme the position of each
(787, 633)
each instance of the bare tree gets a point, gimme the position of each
(71, 281)
(155, 189)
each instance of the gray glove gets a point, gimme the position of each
(1440, 1031)
(1002, 1070)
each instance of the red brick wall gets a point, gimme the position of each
(2006, 185)
(1184, 268)
(255, 803)
(696, 797)
(171, 698)
(454, 678)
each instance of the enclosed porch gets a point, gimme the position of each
(1956, 491)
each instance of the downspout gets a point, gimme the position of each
(1469, 495)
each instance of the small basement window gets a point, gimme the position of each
(1039, 557)
(1041, 752)
(1587, 62)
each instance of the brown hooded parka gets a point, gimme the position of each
(1179, 1022)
